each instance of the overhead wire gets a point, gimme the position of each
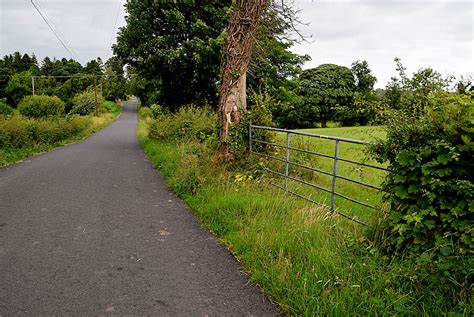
(115, 23)
(76, 56)
(37, 7)
(65, 76)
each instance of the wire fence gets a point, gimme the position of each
(293, 156)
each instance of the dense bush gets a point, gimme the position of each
(144, 112)
(109, 106)
(189, 122)
(430, 188)
(84, 103)
(41, 106)
(259, 114)
(4, 108)
(366, 108)
(19, 132)
(156, 110)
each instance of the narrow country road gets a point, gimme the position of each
(90, 229)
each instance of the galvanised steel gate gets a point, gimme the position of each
(336, 158)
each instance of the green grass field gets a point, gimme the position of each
(350, 151)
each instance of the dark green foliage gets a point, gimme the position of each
(14, 64)
(18, 87)
(430, 189)
(17, 132)
(94, 67)
(114, 86)
(412, 95)
(16, 73)
(41, 106)
(258, 114)
(175, 46)
(322, 90)
(174, 49)
(156, 111)
(84, 103)
(366, 108)
(366, 103)
(365, 80)
(4, 108)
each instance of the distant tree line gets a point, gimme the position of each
(175, 49)
(64, 78)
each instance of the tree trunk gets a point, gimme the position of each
(323, 122)
(239, 42)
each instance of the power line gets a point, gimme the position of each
(76, 56)
(115, 23)
(66, 76)
(54, 32)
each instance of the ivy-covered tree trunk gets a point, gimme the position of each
(323, 121)
(239, 42)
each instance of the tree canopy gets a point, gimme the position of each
(175, 46)
(17, 70)
(322, 90)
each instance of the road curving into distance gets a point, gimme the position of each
(91, 229)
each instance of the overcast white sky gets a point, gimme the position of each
(423, 33)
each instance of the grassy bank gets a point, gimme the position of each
(21, 137)
(306, 262)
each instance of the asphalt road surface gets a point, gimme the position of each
(90, 229)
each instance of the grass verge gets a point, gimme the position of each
(309, 264)
(92, 124)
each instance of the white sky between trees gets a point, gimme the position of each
(431, 33)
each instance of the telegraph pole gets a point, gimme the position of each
(33, 85)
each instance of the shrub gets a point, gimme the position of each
(14, 132)
(189, 122)
(144, 112)
(110, 106)
(84, 102)
(430, 187)
(156, 110)
(259, 114)
(41, 106)
(18, 132)
(4, 108)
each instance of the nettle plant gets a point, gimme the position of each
(430, 185)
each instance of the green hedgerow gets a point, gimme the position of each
(259, 114)
(189, 122)
(41, 106)
(156, 110)
(144, 112)
(430, 189)
(20, 132)
(4, 108)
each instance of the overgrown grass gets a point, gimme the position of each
(306, 262)
(350, 151)
(22, 137)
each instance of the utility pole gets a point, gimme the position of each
(96, 103)
(33, 85)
